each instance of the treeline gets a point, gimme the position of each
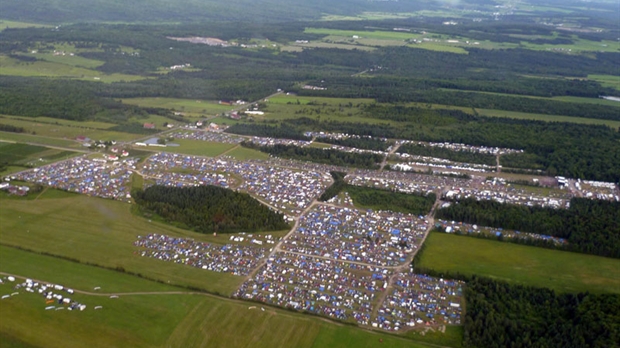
(325, 156)
(589, 226)
(208, 209)
(262, 130)
(569, 149)
(502, 315)
(440, 152)
(379, 199)
(359, 143)
(11, 128)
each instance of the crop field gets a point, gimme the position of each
(559, 270)
(57, 226)
(242, 154)
(180, 105)
(57, 121)
(4, 24)
(10, 66)
(31, 155)
(197, 147)
(546, 118)
(607, 80)
(68, 131)
(172, 320)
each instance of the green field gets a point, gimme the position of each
(31, 155)
(11, 66)
(197, 147)
(606, 80)
(546, 118)
(4, 24)
(243, 153)
(58, 121)
(559, 270)
(102, 232)
(180, 105)
(70, 131)
(34, 139)
(179, 320)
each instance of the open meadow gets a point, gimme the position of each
(168, 320)
(197, 147)
(101, 232)
(186, 106)
(559, 270)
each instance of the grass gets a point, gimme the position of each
(547, 118)
(4, 24)
(72, 130)
(14, 153)
(101, 232)
(34, 139)
(559, 270)
(59, 121)
(606, 80)
(197, 147)
(10, 66)
(243, 153)
(173, 321)
(180, 105)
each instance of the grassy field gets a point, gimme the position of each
(197, 147)
(35, 139)
(558, 270)
(58, 121)
(101, 232)
(31, 155)
(607, 80)
(69, 131)
(180, 105)
(546, 118)
(242, 153)
(172, 321)
(4, 24)
(10, 66)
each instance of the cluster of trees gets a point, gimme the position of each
(501, 315)
(359, 143)
(440, 152)
(208, 209)
(262, 130)
(379, 199)
(325, 156)
(589, 226)
(11, 128)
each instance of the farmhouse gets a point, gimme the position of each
(149, 126)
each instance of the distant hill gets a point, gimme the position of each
(62, 11)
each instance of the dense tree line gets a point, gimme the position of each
(569, 149)
(335, 188)
(208, 209)
(325, 156)
(440, 152)
(359, 143)
(11, 128)
(589, 226)
(379, 199)
(502, 315)
(261, 130)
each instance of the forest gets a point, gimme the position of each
(440, 152)
(589, 226)
(207, 209)
(379, 199)
(325, 156)
(502, 315)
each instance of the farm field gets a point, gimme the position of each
(31, 155)
(546, 118)
(69, 131)
(4, 24)
(173, 320)
(197, 147)
(243, 153)
(34, 139)
(180, 105)
(57, 227)
(606, 80)
(58, 121)
(10, 66)
(559, 270)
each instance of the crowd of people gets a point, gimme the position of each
(417, 299)
(230, 258)
(288, 190)
(369, 237)
(95, 177)
(331, 288)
